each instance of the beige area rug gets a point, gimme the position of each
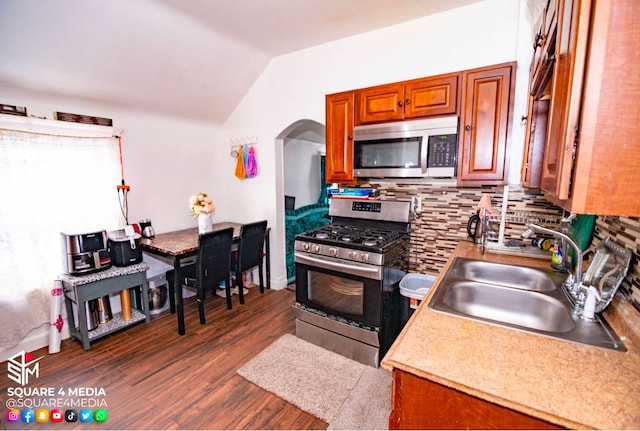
(344, 393)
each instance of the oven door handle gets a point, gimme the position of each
(304, 258)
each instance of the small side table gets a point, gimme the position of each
(80, 289)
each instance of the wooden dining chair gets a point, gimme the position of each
(213, 265)
(250, 253)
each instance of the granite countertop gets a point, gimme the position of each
(182, 241)
(113, 271)
(565, 383)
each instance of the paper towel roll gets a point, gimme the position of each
(55, 317)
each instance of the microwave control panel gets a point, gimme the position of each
(442, 151)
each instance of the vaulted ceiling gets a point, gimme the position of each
(195, 58)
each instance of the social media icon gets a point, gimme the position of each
(85, 415)
(100, 415)
(56, 415)
(42, 415)
(71, 416)
(13, 415)
(27, 415)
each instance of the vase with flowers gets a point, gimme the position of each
(201, 206)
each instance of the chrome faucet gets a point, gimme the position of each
(574, 282)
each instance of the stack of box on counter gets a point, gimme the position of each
(353, 193)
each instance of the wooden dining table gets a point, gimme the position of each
(181, 244)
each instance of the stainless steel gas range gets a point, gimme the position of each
(347, 274)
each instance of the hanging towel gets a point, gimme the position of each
(245, 155)
(240, 173)
(252, 166)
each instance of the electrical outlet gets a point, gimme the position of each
(416, 204)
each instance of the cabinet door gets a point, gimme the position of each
(381, 103)
(339, 157)
(434, 96)
(537, 117)
(487, 103)
(568, 75)
(418, 403)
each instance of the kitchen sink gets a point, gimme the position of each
(518, 277)
(504, 304)
(518, 297)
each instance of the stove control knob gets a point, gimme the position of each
(333, 251)
(315, 248)
(305, 246)
(364, 257)
(353, 254)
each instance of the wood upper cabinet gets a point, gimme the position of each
(417, 98)
(487, 104)
(339, 137)
(544, 44)
(418, 403)
(591, 153)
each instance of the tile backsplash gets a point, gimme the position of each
(436, 230)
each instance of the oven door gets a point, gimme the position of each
(350, 290)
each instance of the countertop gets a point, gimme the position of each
(114, 271)
(183, 241)
(565, 383)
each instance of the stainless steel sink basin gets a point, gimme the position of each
(518, 297)
(504, 304)
(518, 277)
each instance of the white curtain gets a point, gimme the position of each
(48, 184)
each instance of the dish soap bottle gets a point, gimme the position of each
(556, 257)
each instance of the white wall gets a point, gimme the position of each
(165, 159)
(302, 170)
(294, 86)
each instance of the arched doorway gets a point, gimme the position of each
(299, 172)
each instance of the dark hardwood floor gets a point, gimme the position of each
(155, 379)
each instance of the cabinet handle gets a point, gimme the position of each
(349, 137)
(400, 103)
(538, 41)
(407, 102)
(467, 128)
(549, 59)
(523, 118)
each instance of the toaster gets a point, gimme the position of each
(83, 253)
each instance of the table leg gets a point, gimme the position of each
(82, 322)
(268, 259)
(145, 299)
(177, 282)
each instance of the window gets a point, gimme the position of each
(48, 184)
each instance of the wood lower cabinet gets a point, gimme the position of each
(339, 137)
(418, 403)
(487, 101)
(437, 95)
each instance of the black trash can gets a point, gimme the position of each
(413, 289)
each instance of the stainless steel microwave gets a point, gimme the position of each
(407, 149)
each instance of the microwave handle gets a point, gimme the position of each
(424, 148)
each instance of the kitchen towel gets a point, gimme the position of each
(240, 172)
(251, 167)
